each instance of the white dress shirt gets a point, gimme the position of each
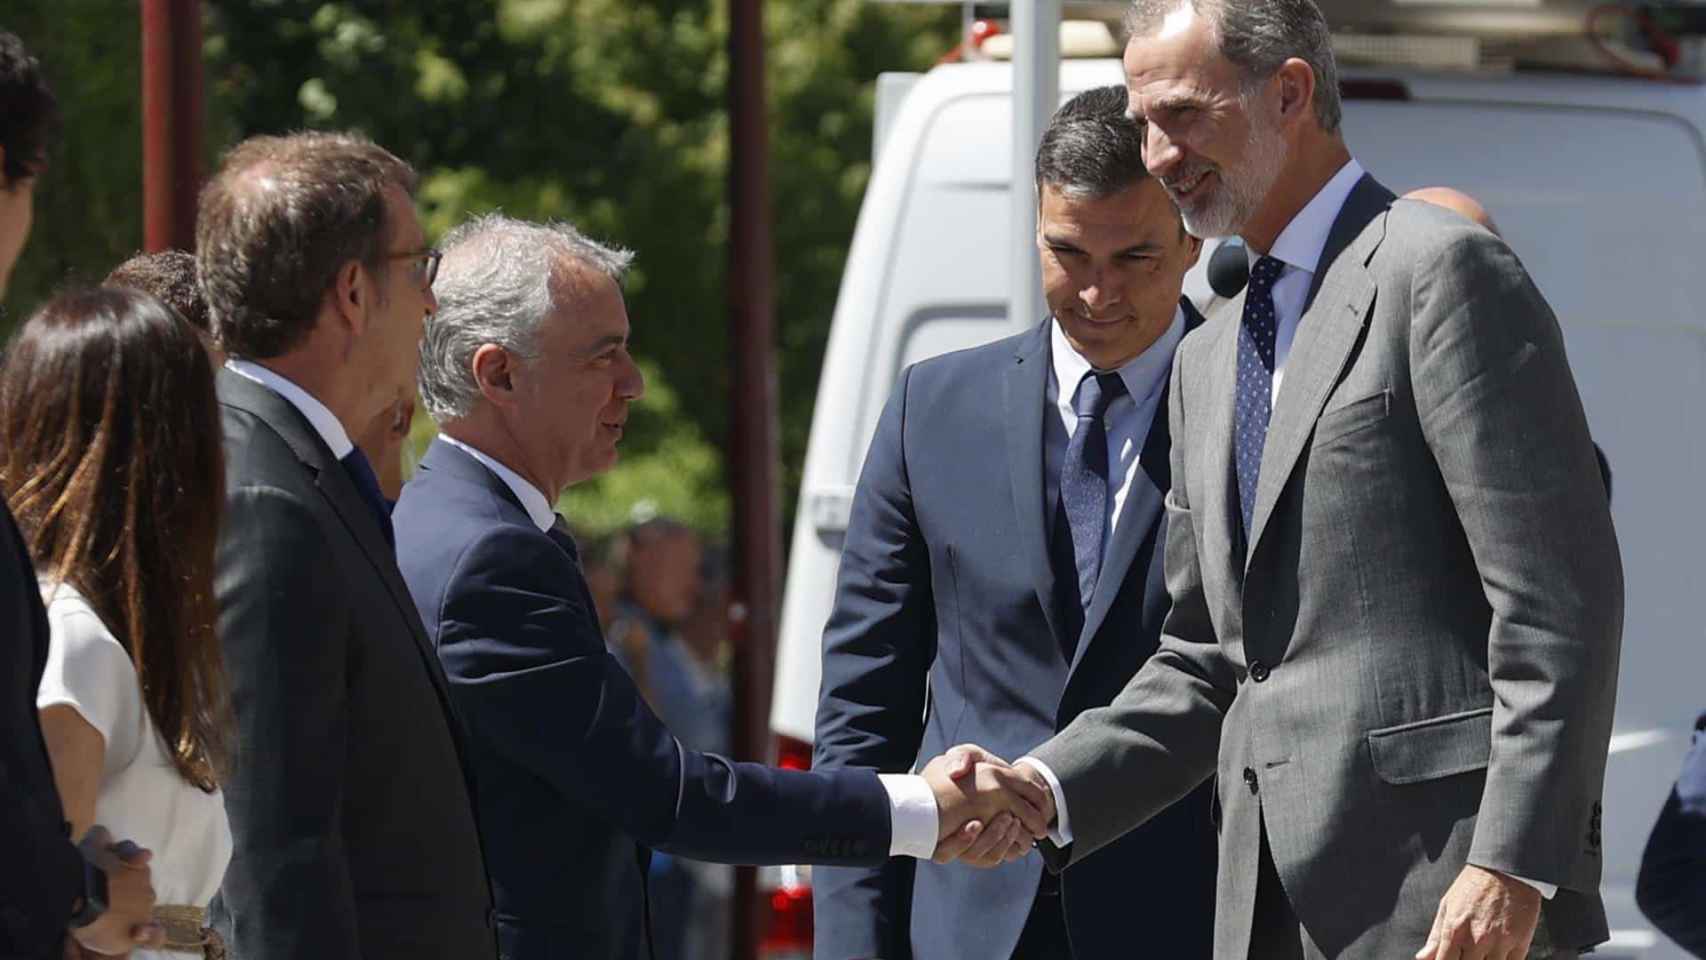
(1127, 420)
(324, 422)
(913, 822)
(1299, 246)
(1127, 423)
(531, 497)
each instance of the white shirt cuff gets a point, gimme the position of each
(1061, 835)
(913, 820)
(1547, 890)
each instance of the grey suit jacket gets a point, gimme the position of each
(1413, 665)
(351, 816)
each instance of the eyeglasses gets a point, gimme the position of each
(424, 265)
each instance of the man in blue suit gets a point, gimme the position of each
(1002, 573)
(525, 367)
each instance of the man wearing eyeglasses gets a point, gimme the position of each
(351, 811)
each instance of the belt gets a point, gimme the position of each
(187, 931)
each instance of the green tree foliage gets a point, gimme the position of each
(609, 113)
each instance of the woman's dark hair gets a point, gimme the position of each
(110, 456)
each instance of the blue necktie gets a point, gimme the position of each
(1084, 479)
(361, 474)
(1254, 405)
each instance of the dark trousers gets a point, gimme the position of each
(1044, 936)
(1275, 933)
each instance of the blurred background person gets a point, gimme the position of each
(1671, 887)
(1459, 203)
(660, 593)
(604, 563)
(46, 883)
(704, 641)
(112, 462)
(169, 276)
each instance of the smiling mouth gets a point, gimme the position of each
(1187, 186)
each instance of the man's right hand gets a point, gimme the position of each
(988, 810)
(128, 922)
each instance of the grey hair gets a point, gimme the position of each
(1258, 37)
(495, 287)
(1092, 147)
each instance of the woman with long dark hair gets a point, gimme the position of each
(110, 456)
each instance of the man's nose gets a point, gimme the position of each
(1105, 291)
(632, 384)
(1160, 154)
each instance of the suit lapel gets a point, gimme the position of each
(1143, 503)
(340, 493)
(1023, 391)
(1332, 323)
(1218, 506)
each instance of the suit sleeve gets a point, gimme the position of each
(529, 671)
(1672, 883)
(1500, 413)
(287, 891)
(44, 876)
(1158, 739)
(877, 651)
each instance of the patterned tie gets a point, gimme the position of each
(1254, 404)
(1084, 478)
(361, 474)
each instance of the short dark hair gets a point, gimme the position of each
(170, 277)
(29, 116)
(1091, 148)
(278, 221)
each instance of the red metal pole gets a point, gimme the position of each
(753, 452)
(171, 122)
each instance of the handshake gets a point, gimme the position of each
(990, 812)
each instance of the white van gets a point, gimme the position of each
(1598, 183)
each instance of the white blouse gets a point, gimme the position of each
(142, 797)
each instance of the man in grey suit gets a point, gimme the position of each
(1396, 594)
(351, 815)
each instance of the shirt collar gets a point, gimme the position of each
(1304, 239)
(538, 508)
(324, 422)
(1142, 374)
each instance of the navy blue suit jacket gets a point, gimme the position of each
(1671, 888)
(572, 768)
(41, 873)
(946, 630)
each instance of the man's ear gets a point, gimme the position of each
(1193, 251)
(494, 373)
(351, 296)
(1296, 90)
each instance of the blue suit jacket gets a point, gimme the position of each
(1671, 888)
(946, 630)
(572, 768)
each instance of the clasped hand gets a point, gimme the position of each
(990, 812)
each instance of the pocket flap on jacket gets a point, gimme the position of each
(1433, 748)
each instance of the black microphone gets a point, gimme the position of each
(1228, 270)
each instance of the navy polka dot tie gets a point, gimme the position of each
(1254, 405)
(1084, 479)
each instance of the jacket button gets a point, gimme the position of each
(1250, 778)
(1258, 671)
